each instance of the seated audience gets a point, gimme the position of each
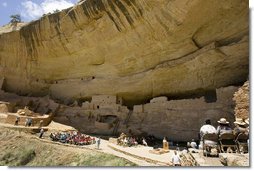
(223, 127)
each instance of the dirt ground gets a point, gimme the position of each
(23, 149)
(20, 147)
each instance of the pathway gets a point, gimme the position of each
(139, 155)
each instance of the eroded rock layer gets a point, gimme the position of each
(135, 49)
(242, 100)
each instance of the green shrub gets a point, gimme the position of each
(17, 157)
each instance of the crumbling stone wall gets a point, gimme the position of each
(180, 120)
(11, 118)
(42, 108)
(85, 118)
(36, 104)
(4, 107)
(242, 100)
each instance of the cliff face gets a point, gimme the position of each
(136, 49)
(242, 100)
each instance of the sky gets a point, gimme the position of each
(9, 7)
(30, 9)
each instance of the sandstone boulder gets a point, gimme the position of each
(229, 159)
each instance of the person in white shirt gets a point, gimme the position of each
(193, 144)
(41, 133)
(207, 129)
(176, 159)
(185, 151)
(125, 142)
(144, 142)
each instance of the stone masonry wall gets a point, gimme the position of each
(180, 120)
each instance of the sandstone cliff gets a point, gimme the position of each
(242, 100)
(136, 49)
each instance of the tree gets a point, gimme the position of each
(15, 18)
(57, 10)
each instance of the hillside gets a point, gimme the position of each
(21, 149)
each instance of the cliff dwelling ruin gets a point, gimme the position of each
(108, 66)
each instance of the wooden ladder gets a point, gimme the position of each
(116, 127)
(128, 117)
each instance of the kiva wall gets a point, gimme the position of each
(11, 118)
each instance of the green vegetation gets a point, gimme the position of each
(100, 159)
(15, 18)
(55, 11)
(17, 157)
(20, 149)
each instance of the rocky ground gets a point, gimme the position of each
(230, 159)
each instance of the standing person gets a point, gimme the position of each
(165, 144)
(98, 143)
(144, 142)
(125, 142)
(41, 133)
(164, 140)
(17, 120)
(30, 122)
(177, 147)
(26, 124)
(176, 159)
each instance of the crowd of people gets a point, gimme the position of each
(125, 140)
(72, 137)
(28, 121)
(129, 141)
(241, 126)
